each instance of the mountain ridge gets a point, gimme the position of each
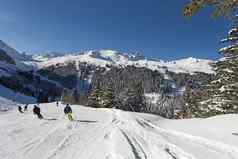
(108, 57)
(116, 58)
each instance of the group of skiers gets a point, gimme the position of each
(37, 111)
(25, 108)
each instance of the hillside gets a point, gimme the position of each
(47, 77)
(19, 60)
(111, 134)
(13, 98)
(121, 73)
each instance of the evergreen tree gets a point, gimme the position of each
(95, 98)
(221, 95)
(108, 98)
(66, 97)
(132, 99)
(221, 7)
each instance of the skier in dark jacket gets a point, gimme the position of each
(26, 107)
(68, 111)
(20, 109)
(36, 111)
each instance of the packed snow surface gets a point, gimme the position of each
(114, 134)
(110, 57)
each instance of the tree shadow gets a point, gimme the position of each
(50, 119)
(86, 121)
(236, 134)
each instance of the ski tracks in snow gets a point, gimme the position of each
(219, 147)
(116, 135)
(149, 141)
(144, 144)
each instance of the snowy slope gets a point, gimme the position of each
(9, 98)
(6, 104)
(110, 57)
(114, 134)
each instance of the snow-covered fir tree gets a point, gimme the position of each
(221, 95)
(95, 97)
(108, 98)
(132, 99)
(102, 98)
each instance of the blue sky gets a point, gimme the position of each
(155, 28)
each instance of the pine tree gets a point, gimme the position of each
(132, 99)
(221, 7)
(221, 95)
(108, 98)
(67, 97)
(95, 98)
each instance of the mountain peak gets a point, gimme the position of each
(11, 51)
(110, 57)
(114, 55)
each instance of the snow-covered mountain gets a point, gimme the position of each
(21, 61)
(110, 57)
(11, 51)
(45, 76)
(11, 60)
(47, 55)
(17, 76)
(106, 57)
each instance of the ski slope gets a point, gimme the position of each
(114, 134)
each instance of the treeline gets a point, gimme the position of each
(32, 85)
(127, 88)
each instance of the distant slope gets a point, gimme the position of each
(11, 51)
(18, 58)
(11, 95)
(110, 57)
(9, 98)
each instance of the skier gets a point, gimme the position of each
(36, 111)
(68, 112)
(20, 109)
(25, 107)
(57, 103)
